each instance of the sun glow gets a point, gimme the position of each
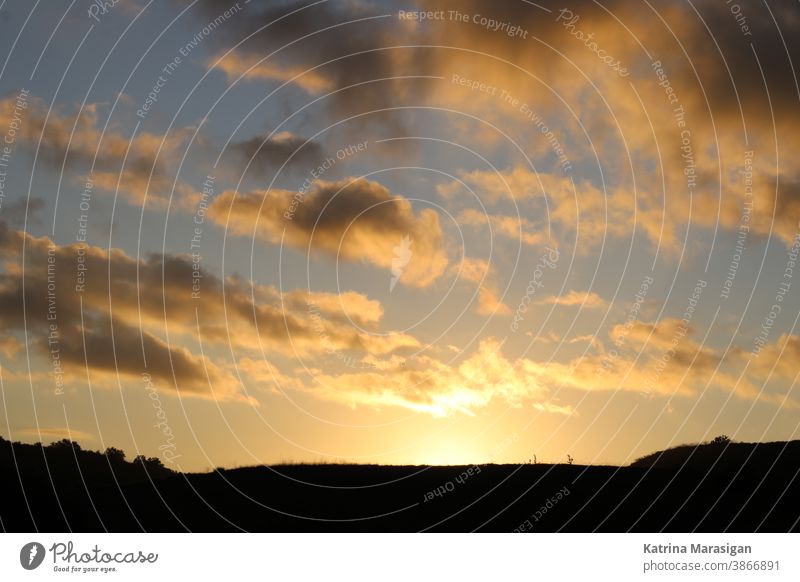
(447, 452)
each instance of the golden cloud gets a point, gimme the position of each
(355, 219)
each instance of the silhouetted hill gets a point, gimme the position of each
(724, 456)
(649, 496)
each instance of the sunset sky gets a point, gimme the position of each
(399, 232)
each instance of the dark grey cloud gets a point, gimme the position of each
(267, 154)
(330, 32)
(15, 212)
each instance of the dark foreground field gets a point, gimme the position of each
(737, 487)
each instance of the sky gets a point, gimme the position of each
(428, 232)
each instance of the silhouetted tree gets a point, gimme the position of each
(149, 462)
(569, 459)
(115, 455)
(722, 439)
(64, 444)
